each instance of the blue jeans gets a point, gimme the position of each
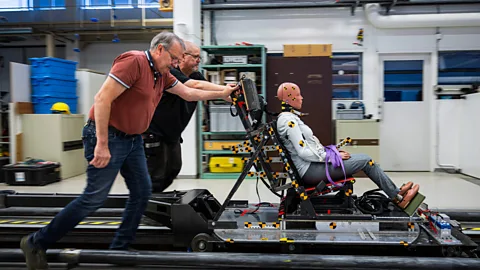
(128, 158)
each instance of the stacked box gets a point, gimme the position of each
(53, 80)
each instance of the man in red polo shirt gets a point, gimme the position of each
(122, 111)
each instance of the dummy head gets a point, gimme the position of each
(290, 93)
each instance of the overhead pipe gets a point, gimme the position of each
(245, 260)
(372, 12)
(326, 4)
(138, 24)
(274, 5)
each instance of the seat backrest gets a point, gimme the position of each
(251, 107)
(289, 166)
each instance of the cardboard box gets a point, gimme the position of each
(228, 76)
(301, 50)
(24, 107)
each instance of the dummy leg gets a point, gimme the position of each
(357, 163)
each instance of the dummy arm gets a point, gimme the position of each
(295, 136)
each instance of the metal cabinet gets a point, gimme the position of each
(365, 136)
(55, 137)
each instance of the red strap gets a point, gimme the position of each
(341, 181)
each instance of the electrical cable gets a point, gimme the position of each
(260, 203)
(372, 202)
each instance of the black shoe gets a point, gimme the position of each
(36, 258)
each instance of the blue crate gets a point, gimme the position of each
(47, 85)
(53, 67)
(43, 103)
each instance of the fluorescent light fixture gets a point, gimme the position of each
(15, 30)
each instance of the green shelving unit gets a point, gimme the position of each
(236, 66)
(203, 136)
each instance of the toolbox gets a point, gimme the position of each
(226, 164)
(37, 174)
(220, 145)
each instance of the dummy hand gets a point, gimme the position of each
(344, 155)
(101, 156)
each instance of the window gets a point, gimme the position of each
(459, 68)
(50, 4)
(96, 4)
(123, 4)
(107, 4)
(15, 5)
(148, 3)
(403, 80)
(347, 76)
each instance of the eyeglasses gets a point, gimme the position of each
(196, 57)
(175, 59)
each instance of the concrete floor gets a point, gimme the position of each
(442, 190)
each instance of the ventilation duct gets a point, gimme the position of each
(372, 12)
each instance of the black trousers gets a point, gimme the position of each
(164, 161)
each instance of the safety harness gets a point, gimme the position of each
(334, 155)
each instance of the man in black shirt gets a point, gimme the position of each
(163, 138)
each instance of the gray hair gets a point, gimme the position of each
(167, 39)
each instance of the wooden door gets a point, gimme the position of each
(314, 77)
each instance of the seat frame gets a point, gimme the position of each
(257, 137)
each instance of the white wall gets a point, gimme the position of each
(448, 132)
(338, 27)
(89, 83)
(469, 150)
(100, 56)
(187, 26)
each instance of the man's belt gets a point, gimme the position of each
(151, 140)
(152, 145)
(113, 130)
